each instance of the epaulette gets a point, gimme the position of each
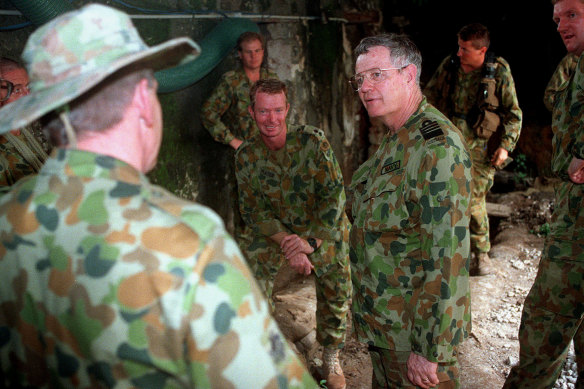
(311, 130)
(431, 129)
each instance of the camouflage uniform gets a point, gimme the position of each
(20, 156)
(225, 116)
(554, 308)
(224, 113)
(113, 282)
(561, 76)
(462, 98)
(298, 189)
(410, 246)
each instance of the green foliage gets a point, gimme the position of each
(544, 230)
(322, 384)
(520, 169)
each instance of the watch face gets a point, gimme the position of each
(312, 243)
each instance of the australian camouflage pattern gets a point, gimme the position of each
(559, 79)
(298, 189)
(21, 155)
(109, 281)
(456, 106)
(224, 113)
(410, 246)
(553, 311)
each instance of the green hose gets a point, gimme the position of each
(38, 12)
(214, 47)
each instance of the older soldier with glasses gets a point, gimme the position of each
(409, 242)
(22, 151)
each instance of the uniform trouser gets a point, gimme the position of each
(333, 293)
(554, 308)
(234, 222)
(482, 180)
(390, 370)
(545, 334)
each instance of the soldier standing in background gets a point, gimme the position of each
(292, 199)
(475, 90)
(409, 245)
(553, 311)
(107, 280)
(224, 113)
(22, 151)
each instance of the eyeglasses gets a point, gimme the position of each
(8, 89)
(374, 76)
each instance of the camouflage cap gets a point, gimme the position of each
(76, 51)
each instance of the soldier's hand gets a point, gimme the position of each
(301, 264)
(499, 156)
(576, 170)
(293, 245)
(235, 143)
(422, 372)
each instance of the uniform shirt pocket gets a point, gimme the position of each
(385, 202)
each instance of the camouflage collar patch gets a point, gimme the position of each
(431, 129)
(390, 167)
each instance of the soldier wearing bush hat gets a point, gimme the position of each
(105, 279)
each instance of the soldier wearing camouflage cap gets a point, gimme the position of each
(553, 312)
(409, 243)
(476, 91)
(107, 280)
(292, 199)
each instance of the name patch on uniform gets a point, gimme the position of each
(390, 167)
(431, 129)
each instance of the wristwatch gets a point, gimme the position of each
(312, 242)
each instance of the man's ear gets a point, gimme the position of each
(250, 110)
(411, 71)
(143, 101)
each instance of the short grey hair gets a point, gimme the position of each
(402, 50)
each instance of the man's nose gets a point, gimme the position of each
(366, 85)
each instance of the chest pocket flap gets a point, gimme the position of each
(385, 202)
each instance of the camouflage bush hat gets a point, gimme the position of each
(76, 51)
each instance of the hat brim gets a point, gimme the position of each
(40, 102)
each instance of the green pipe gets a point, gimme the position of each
(214, 47)
(38, 12)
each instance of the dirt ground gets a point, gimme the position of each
(497, 300)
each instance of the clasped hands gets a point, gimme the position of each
(296, 251)
(576, 170)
